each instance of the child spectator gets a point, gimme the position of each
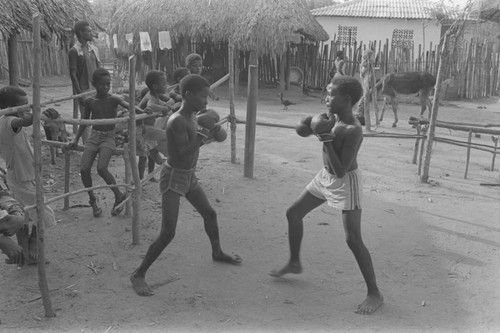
(154, 102)
(11, 222)
(17, 152)
(101, 140)
(83, 61)
(194, 63)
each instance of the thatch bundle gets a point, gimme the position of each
(490, 10)
(58, 16)
(265, 26)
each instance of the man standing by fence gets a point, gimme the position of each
(83, 61)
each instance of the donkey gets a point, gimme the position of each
(406, 83)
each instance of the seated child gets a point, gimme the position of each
(17, 152)
(11, 222)
(154, 102)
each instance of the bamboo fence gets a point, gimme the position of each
(54, 61)
(474, 65)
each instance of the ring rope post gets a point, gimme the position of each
(495, 140)
(128, 176)
(251, 121)
(231, 103)
(67, 166)
(42, 275)
(136, 194)
(469, 141)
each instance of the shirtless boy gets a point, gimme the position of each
(184, 138)
(339, 184)
(101, 140)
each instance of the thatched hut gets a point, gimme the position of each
(266, 27)
(58, 17)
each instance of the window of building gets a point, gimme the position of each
(402, 38)
(347, 35)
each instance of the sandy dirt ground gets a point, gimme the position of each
(435, 247)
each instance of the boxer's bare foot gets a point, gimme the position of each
(370, 304)
(291, 267)
(140, 285)
(222, 257)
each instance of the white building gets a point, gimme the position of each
(403, 22)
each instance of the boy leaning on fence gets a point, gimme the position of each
(17, 152)
(101, 142)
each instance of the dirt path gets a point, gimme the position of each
(435, 248)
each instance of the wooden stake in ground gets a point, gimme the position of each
(253, 81)
(455, 29)
(136, 194)
(231, 103)
(42, 276)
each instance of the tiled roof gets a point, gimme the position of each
(402, 9)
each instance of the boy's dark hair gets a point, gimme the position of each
(193, 83)
(179, 73)
(153, 77)
(9, 96)
(192, 58)
(79, 26)
(340, 54)
(99, 74)
(348, 85)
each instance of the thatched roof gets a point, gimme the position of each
(490, 10)
(58, 16)
(266, 26)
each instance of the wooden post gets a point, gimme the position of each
(253, 82)
(13, 60)
(469, 141)
(236, 70)
(282, 71)
(424, 178)
(415, 148)
(232, 112)
(136, 194)
(37, 145)
(128, 176)
(287, 68)
(76, 114)
(67, 166)
(495, 140)
(421, 153)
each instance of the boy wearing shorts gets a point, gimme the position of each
(184, 138)
(339, 184)
(101, 140)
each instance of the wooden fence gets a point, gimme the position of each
(54, 58)
(474, 65)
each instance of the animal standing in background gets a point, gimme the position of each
(406, 83)
(54, 131)
(285, 102)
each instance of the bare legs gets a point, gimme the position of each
(352, 227)
(88, 158)
(294, 215)
(170, 213)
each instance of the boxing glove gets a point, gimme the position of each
(304, 127)
(322, 127)
(220, 135)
